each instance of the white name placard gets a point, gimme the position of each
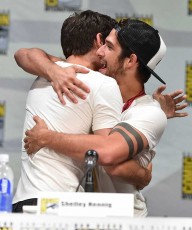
(86, 204)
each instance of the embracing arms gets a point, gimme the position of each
(131, 172)
(37, 62)
(56, 75)
(63, 80)
(110, 153)
(113, 149)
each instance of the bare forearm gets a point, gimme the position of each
(36, 62)
(131, 172)
(110, 151)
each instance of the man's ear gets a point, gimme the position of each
(131, 60)
(99, 40)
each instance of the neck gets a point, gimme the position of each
(84, 60)
(130, 86)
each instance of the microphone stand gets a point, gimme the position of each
(89, 181)
(91, 158)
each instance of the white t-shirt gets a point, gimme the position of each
(50, 171)
(145, 115)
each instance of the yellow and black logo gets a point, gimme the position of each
(62, 5)
(187, 177)
(51, 3)
(2, 109)
(4, 19)
(2, 121)
(190, 7)
(47, 204)
(4, 31)
(146, 19)
(188, 82)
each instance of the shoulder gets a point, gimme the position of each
(101, 77)
(147, 116)
(146, 100)
(148, 106)
(146, 109)
(99, 81)
(62, 63)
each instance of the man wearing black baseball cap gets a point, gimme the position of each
(143, 40)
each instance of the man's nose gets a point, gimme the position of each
(100, 51)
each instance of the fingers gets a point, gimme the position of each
(61, 98)
(26, 145)
(37, 119)
(176, 93)
(160, 89)
(79, 69)
(181, 114)
(79, 84)
(74, 91)
(40, 123)
(28, 149)
(59, 91)
(79, 89)
(149, 167)
(178, 106)
(26, 140)
(180, 99)
(69, 94)
(181, 106)
(26, 134)
(171, 103)
(65, 83)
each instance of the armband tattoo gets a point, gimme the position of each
(129, 141)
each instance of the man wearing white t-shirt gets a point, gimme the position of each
(99, 112)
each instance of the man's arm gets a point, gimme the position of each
(115, 148)
(63, 80)
(36, 61)
(118, 147)
(132, 173)
(129, 171)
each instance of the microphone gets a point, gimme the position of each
(91, 158)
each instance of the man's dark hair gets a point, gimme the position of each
(80, 29)
(126, 51)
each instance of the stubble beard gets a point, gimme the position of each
(116, 72)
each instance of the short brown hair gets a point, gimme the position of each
(80, 29)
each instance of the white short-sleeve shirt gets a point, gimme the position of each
(50, 171)
(145, 115)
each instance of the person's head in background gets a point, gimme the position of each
(132, 46)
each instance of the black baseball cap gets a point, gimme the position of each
(144, 41)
